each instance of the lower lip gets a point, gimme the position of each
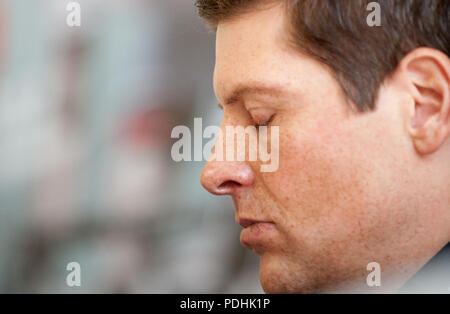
(257, 233)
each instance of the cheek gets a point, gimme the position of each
(317, 168)
(325, 179)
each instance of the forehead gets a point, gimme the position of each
(253, 50)
(250, 49)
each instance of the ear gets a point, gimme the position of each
(427, 75)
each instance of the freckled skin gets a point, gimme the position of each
(350, 187)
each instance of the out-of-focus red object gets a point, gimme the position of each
(147, 128)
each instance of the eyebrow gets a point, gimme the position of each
(241, 90)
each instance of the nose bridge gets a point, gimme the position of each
(234, 142)
(221, 176)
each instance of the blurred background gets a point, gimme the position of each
(86, 176)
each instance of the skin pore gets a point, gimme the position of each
(351, 187)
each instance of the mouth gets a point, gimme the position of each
(245, 223)
(257, 234)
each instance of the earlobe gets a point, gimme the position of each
(427, 72)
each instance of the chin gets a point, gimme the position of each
(277, 277)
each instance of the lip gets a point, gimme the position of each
(245, 223)
(257, 234)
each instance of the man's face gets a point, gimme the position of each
(349, 187)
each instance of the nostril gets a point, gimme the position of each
(228, 186)
(220, 178)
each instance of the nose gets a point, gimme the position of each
(226, 177)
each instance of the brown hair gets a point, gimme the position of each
(336, 33)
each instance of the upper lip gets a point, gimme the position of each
(246, 222)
